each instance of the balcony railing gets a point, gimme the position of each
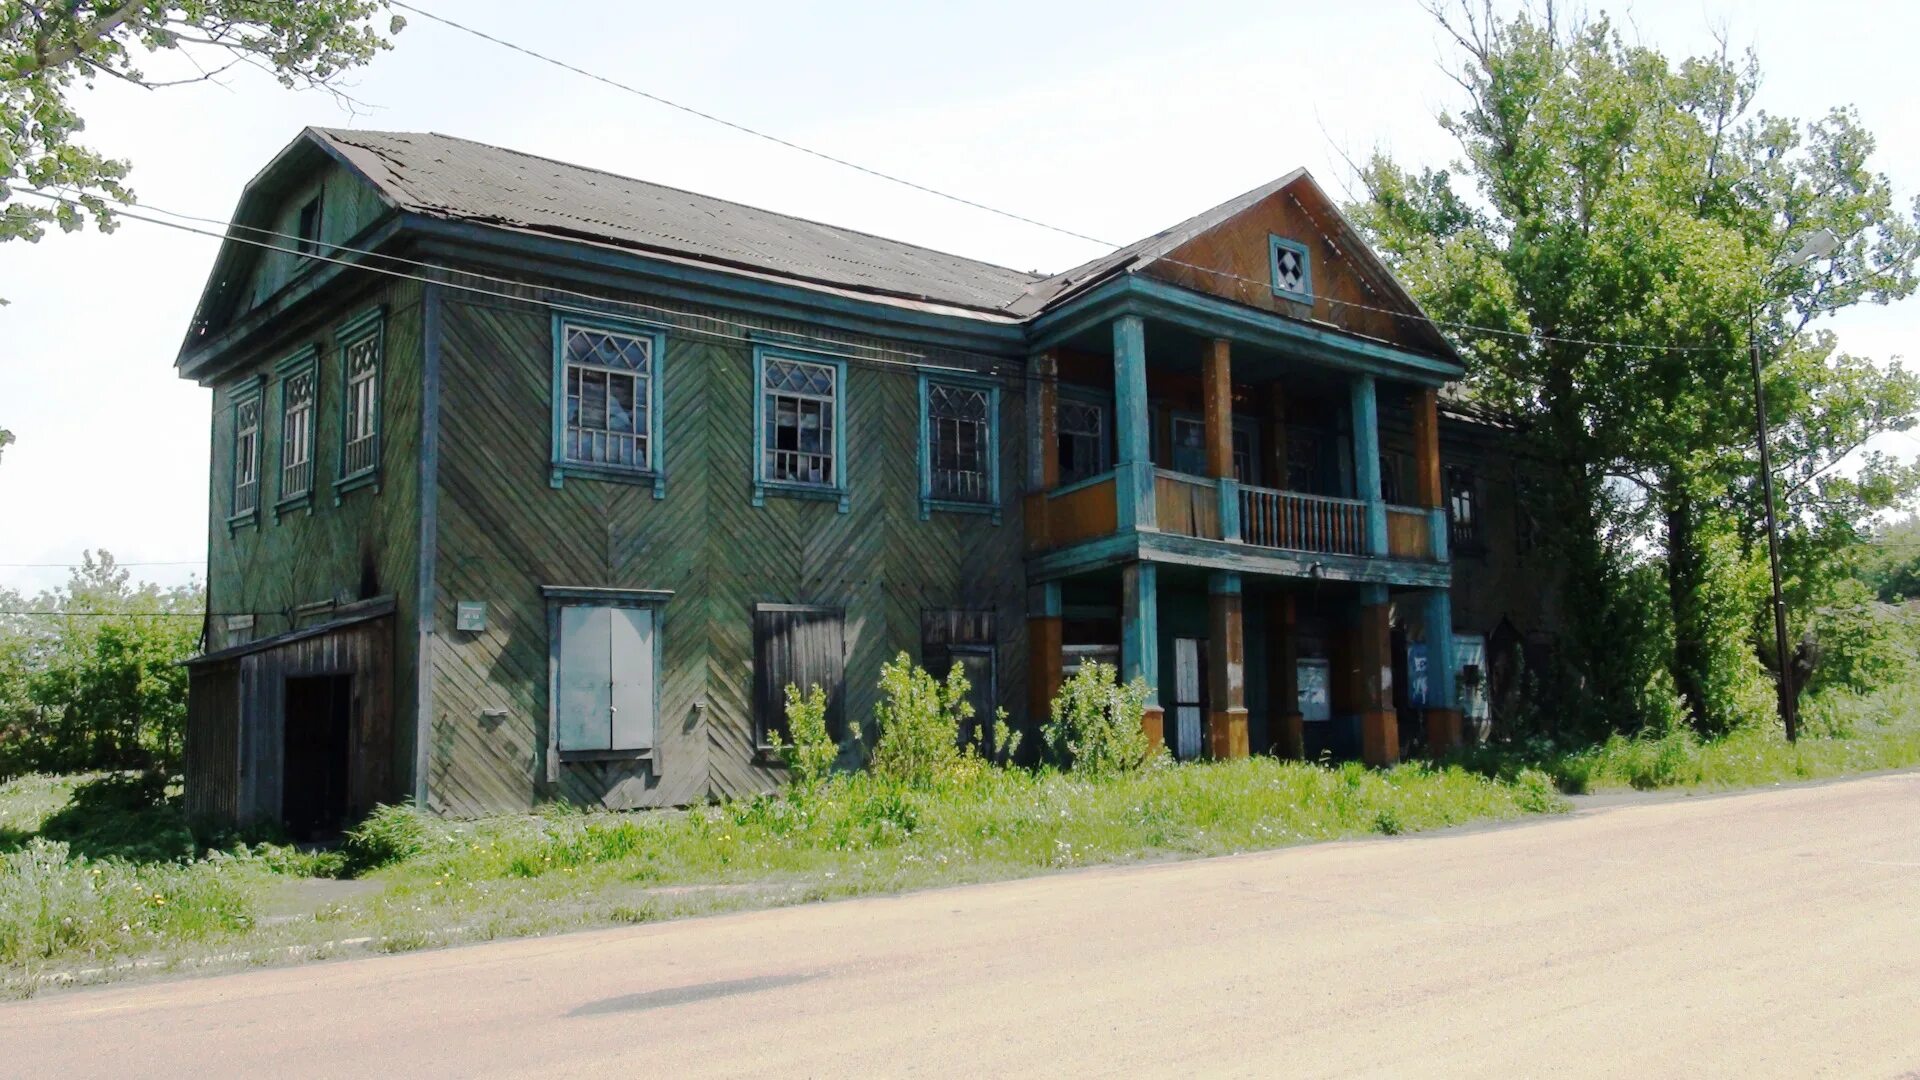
(1410, 532)
(1068, 515)
(1301, 522)
(1188, 505)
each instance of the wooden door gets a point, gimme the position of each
(1189, 696)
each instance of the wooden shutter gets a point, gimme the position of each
(585, 704)
(631, 655)
(797, 646)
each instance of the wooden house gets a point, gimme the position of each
(534, 482)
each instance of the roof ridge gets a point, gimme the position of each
(1027, 276)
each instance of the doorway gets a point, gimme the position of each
(1189, 696)
(318, 748)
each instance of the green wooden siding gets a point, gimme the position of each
(504, 532)
(347, 205)
(366, 546)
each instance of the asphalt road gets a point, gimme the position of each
(1775, 933)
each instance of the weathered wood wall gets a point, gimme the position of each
(212, 767)
(504, 532)
(366, 546)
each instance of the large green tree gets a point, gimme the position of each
(48, 47)
(1605, 193)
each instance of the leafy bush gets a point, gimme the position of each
(391, 834)
(125, 816)
(811, 755)
(920, 721)
(1096, 723)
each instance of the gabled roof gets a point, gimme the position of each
(442, 176)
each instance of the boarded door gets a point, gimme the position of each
(802, 647)
(606, 680)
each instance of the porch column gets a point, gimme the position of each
(1226, 668)
(1283, 677)
(1045, 652)
(1140, 640)
(1043, 422)
(1426, 466)
(1443, 703)
(1274, 437)
(1216, 384)
(1366, 461)
(1134, 496)
(1373, 652)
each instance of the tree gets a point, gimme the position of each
(1607, 194)
(47, 46)
(6, 440)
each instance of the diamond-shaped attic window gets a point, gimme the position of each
(1292, 271)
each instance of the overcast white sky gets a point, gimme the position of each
(1114, 119)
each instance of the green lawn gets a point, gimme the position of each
(100, 877)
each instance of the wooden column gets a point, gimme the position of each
(1283, 679)
(1216, 389)
(1140, 640)
(1043, 422)
(1226, 668)
(1426, 447)
(1444, 728)
(1366, 461)
(1130, 419)
(1373, 654)
(1045, 659)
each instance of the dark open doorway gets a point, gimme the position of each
(319, 710)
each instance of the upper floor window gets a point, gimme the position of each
(1291, 269)
(607, 404)
(1082, 438)
(1463, 509)
(299, 386)
(800, 416)
(360, 341)
(307, 228)
(1189, 436)
(959, 462)
(246, 454)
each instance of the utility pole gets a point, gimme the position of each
(1788, 705)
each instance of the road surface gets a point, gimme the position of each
(1767, 934)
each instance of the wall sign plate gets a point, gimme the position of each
(470, 616)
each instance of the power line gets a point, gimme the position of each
(1010, 215)
(116, 563)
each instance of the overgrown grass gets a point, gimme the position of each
(1842, 734)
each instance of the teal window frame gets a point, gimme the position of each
(560, 466)
(252, 390)
(838, 492)
(371, 323)
(928, 504)
(1275, 245)
(305, 362)
(1105, 445)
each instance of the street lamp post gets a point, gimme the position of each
(1820, 244)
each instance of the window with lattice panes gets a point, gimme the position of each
(297, 400)
(959, 442)
(1290, 268)
(246, 454)
(360, 407)
(610, 397)
(1082, 439)
(801, 416)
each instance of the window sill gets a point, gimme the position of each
(248, 520)
(643, 754)
(302, 501)
(818, 492)
(369, 478)
(948, 506)
(1298, 298)
(581, 470)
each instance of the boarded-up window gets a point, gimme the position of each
(604, 697)
(802, 647)
(953, 635)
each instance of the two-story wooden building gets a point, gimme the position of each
(531, 481)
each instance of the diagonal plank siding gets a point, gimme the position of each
(504, 532)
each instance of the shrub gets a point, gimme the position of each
(1096, 723)
(811, 755)
(391, 834)
(920, 721)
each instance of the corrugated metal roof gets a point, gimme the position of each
(449, 177)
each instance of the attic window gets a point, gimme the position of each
(1291, 269)
(307, 236)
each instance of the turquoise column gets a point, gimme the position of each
(1441, 666)
(1366, 461)
(1134, 496)
(1140, 626)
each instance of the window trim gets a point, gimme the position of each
(370, 323)
(928, 504)
(557, 597)
(251, 389)
(1276, 244)
(1105, 404)
(1472, 540)
(560, 467)
(1238, 425)
(839, 491)
(304, 361)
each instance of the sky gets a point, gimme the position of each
(1112, 119)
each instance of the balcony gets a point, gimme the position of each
(1200, 519)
